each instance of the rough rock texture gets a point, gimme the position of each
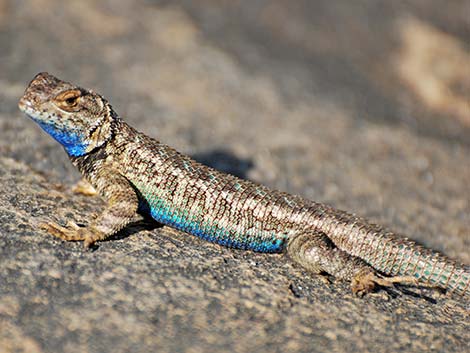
(363, 105)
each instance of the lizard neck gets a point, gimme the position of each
(88, 164)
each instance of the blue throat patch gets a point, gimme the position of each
(73, 143)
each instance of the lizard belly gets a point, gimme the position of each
(195, 223)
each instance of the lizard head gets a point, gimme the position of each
(79, 119)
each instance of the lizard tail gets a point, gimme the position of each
(406, 258)
(432, 268)
(393, 255)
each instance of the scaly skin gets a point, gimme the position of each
(136, 173)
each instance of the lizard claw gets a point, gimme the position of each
(73, 225)
(391, 281)
(88, 243)
(71, 233)
(365, 282)
(84, 188)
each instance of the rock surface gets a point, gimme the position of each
(360, 105)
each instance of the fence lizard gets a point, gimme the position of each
(137, 174)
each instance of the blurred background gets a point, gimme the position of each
(361, 104)
(393, 62)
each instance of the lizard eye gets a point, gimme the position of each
(71, 100)
(68, 100)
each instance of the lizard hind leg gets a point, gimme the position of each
(317, 253)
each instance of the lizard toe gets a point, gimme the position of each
(88, 243)
(68, 234)
(363, 283)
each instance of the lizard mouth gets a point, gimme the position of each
(26, 108)
(25, 105)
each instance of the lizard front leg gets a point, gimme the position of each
(317, 253)
(83, 187)
(121, 209)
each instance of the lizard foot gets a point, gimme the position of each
(85, 188)
(365, 282)
(72, 232)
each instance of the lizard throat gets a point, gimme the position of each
(73, 143)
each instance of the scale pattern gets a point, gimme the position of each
(180, 192)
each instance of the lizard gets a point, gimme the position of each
(137, 174)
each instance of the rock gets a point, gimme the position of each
(323, 99)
